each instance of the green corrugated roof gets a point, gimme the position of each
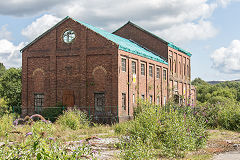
(125, 44)
(170, 44)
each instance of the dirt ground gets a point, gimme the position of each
(221, 145)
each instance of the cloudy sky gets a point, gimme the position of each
(209, 29)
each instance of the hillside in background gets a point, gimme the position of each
(216, 82)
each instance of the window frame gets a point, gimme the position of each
(150, 71)
(124, 101)
(124, 67)
(134, 67)
(158, 73)
(158, 100)
(164, 74)
(151, 99)
(143, 69)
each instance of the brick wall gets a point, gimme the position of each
(130, 31)
(144, 84)
(86, 66)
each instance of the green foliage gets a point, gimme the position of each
(2, 69)
(52, 113)
(136, 149)
(121, 128)
(221, 92)
(225, 115)
(229, 117)
(219, 104)
(3, 107)
(198, 81)
(172, 131)
(39, 144)
(10, 86)
(73, 119)
(6, 123)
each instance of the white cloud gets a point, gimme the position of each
(4, 33)
(27, 7)
(10, 54)
(39, 26)
(227, 60)
(188, 31)
(223, 3)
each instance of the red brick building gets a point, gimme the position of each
(179, 66)
(83, 66)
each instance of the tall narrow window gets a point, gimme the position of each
(158, 73)
(123, 64)
(184, 69)
(143, 97)
(142, 69)
(133, 67)
(38, 101)
(170, 66)
(150, 71)
(187, 70)
(151, 99)
(180, 68)
(124, 101)
(175, 66)
(158, 100)
(164, 74)
(164, 100)
(133, 98)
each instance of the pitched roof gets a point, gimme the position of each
(124, 44)
(170, 44)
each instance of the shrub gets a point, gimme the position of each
(3, 107)
(52, 113)
(121, 128)
(229, 117)
(171, 130)
(38, 144)
(6, 123)
(73, 119)
(225, 115)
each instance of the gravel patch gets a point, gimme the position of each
(233, 155)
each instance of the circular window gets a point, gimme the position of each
(68, 36)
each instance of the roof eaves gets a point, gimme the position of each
(39, 37)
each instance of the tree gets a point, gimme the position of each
(199, 81)
(10, 86)
(2, 69)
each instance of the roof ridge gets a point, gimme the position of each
(44, 33)
(123, 43)
(122, 46)
(170, 44)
